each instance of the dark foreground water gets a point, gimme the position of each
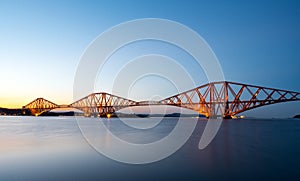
(45, 148)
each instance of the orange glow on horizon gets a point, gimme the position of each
(19, 102)
(12, 103)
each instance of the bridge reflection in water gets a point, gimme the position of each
(224, 99)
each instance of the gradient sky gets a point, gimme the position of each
(41, 42)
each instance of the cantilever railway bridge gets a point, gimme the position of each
(224, 99)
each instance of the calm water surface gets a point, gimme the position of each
(49, 148)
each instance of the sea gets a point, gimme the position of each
(55, 148)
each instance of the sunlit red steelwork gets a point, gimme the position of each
(40, 105)
(101, 104)
(229, 98)
(224, 99)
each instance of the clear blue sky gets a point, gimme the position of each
(41, 42)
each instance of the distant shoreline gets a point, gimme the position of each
(26, 112)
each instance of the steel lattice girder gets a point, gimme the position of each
(229, 98)
(213, 99)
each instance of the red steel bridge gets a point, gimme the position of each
(224, 99)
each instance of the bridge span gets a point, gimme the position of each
(224, 99)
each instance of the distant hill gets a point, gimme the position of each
(170, 115)
(68, 113)
(297, 116)
(156, 115)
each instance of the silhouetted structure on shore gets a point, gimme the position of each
(15, 112)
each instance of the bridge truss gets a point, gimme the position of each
(40, 105)
(101, 104)
(224, 99)
(229, 98)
